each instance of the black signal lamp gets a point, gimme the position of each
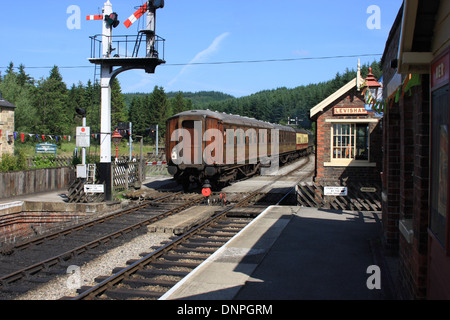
(156, 4)
(81, 111)
(112, 20)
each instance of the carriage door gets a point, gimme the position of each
(195, 129)
(214, 140)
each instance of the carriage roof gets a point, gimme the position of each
(234, 119)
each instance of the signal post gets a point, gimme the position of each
(112, 62)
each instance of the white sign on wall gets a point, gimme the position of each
(94, 188)
(335, 191)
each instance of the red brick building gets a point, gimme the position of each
(348, 138)
(415, 214)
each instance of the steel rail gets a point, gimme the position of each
(5, 280)
(138, 265)
(87, 224)
(118, 277)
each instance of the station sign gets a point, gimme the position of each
(45, 148)
(343, 111)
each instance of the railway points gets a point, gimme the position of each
(198, 240)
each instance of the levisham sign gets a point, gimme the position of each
(343, 111)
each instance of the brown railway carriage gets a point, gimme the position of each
(218, 147)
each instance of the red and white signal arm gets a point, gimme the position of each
(94, 17)
(135, 16)
(155, 4)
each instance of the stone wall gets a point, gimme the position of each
(6, 125)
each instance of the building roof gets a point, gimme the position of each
(417, 33)
(339, 93)
(6, 104)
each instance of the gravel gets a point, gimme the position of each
(84, 275)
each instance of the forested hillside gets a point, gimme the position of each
(200, 100)
(278, 105)
(47, 107)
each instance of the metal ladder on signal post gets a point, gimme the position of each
(90, 173)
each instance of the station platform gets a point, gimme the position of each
(294, 253)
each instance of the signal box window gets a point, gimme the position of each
(350, 141)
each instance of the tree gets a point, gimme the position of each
(51, 99)
(19, 93)
(138, 116)
(10, 68)
(23, 78)
(10, 87)
(178, 104)
(159, 109)
(92, 96)
(78, 98)
(118, 106)
(25, 114)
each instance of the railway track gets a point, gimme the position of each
(41, 259)
(156, 272)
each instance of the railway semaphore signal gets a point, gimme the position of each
(112, 65)
(150, 8)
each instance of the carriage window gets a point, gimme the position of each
(188, 124)
(230, 135)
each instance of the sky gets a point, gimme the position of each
(296, 35)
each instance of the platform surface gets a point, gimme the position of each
(291, 253)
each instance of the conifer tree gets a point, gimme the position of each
(159, 107)
(118, 106)
(51, 101)
(20, 94)
(178, 103)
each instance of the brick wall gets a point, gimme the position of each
(20, 221)
(406, 185)
(391, 178)
(20, 226)
(414, 256)
(391, 147)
